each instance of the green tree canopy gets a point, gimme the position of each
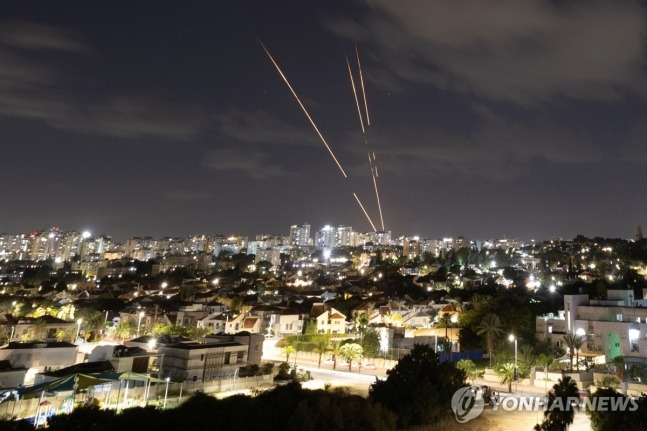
(419, 388)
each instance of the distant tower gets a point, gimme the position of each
(638, 233)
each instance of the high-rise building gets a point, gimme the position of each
(411, 249)
(325, 237)
(300, 234)
(344, 236)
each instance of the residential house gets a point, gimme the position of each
(288, 322)
(216, 322)
(328, 319)
(45, 328)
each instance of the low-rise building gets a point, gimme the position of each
(39, 357)
(609, 328)
(215, 357)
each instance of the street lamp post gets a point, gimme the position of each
(168, 379)
(139, 321)
(516, 372)
(78, 328)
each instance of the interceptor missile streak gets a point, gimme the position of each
(365, 213)
(285, 79)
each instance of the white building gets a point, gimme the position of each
(613, 327)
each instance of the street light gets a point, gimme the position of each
(516, 373)
(78, 328)
(139, 321)
(168, 379)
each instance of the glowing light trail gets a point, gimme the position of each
(365, 213)
(361, 80)
(352, 83)
(304, 109)
(371, 162)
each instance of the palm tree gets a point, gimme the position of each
(574, 343)
(559, 414)
(93, 320)
(545, 360)
(61, 334)
(39, 328)
(479, 302)
(123, 329)
(335, 346)
(401, 303)
(445, 321)
(506, 372)
(321, 347)
(468, 366)
(352, 352)
(491, 327)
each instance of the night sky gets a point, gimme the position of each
(524, 119)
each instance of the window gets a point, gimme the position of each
(227, 357)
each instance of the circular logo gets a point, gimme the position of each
(465, 405)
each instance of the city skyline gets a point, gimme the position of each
(517, 120)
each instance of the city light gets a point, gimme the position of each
(139, 321)
(78, 328)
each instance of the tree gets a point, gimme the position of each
(321, 347)
(61, 334)
(419, 388)
(352, 352)
(574, 343)
(619, 362)
(371, 344)
(124, 329)
(545, 361)
(287, 351)
(93, 320)
(491, 327)
(469, 368)
(335, 346)
(361, 322)
(38, 329)
(559, 413)
(615, 419)
(506, 372)
(196, 333)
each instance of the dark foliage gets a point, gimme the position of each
(419, 388)
(288, 408)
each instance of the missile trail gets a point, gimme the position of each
(361, 80)
(352, 83)
(371, 161)
(304, 109)
(377, 195)
(365, 213)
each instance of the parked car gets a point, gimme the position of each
(329, 361)
(342, 363)
(369, 366)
